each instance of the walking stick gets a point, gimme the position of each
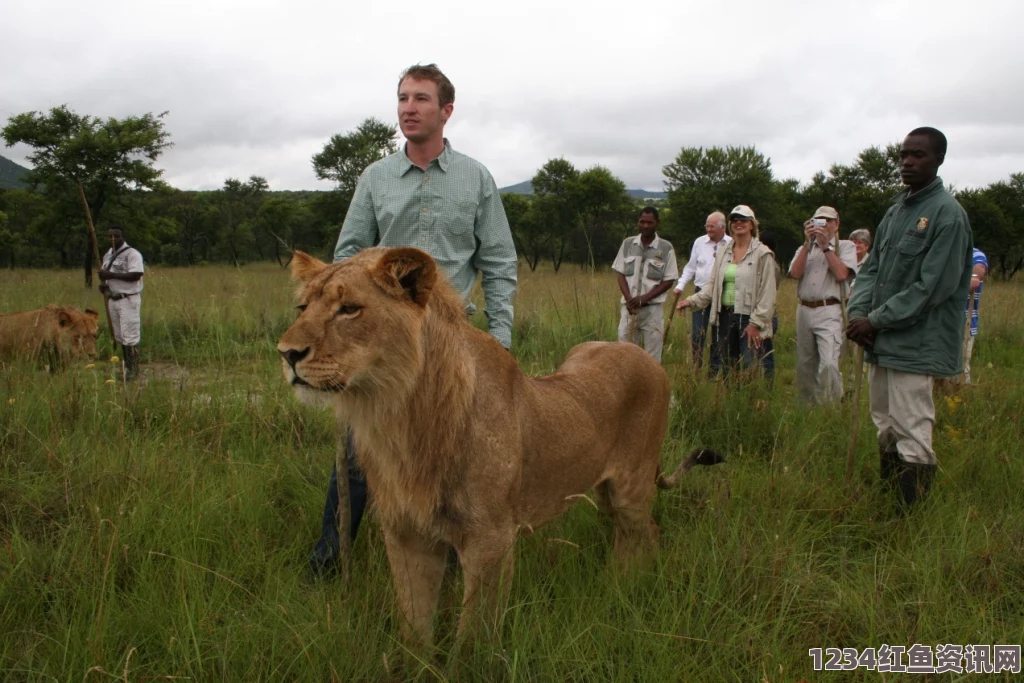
(671, 314)
(96, 259)
(341, 457)
(851, 453)
(967, 335)
(842, 296)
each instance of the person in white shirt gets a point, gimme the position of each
(122, 279)
(698, 269)
(646, 267)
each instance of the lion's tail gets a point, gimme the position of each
(701, 456)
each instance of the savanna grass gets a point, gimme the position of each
(159, 531)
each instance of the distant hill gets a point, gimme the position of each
(526, 187)
(11, 174)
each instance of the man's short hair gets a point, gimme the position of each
(935, 136)
(116, 227)
(720, 216)
(651, 210)
(861, 235)
(430, 72)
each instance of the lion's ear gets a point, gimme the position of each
(64, 318)
(306, 267)
(407, 271)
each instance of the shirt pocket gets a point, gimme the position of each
(463, 217)
(911, 245)
(656, 271)
(629, 267)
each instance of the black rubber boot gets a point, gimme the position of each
(915, 480)
(131, 362)
(888, 466)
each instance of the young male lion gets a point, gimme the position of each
(460, 448)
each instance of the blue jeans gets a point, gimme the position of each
(325, 553)
(733, 349)
(698, 337)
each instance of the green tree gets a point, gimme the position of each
(861, 192)
(556, 203)
(605, 212)
(239, 203)
(344, 158)
(98, 159)
(531, 237)
(701, 181)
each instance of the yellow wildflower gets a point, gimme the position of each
(114, 359)
(90, 366)
(109, 381)
(10, 401)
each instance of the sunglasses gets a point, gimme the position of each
(738, 219)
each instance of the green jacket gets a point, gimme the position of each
(914, 285)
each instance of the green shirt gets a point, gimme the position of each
(913, 286)
(452, 211)
(729, 286)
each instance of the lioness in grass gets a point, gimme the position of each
(460, 448)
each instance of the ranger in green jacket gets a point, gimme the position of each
(907, 312)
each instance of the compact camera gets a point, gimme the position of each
(818, 222)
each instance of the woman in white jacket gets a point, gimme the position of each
(741, 293)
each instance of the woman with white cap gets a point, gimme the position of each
(741, 293)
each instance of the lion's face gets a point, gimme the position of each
(78, 330)
(359, 322)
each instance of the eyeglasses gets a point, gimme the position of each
(738, 219)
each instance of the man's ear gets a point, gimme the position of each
(406, 272)
(306, 267)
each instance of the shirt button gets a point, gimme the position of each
(424, 209)
(426, 178)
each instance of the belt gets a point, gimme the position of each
(831, 301)
(727, 309)
(118, 297)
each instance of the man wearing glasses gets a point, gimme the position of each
(698, 269)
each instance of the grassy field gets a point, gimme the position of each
(160, 532)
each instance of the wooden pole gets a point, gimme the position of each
(671, 315)
(967, 336)
(344, 503)
(851, 453)
(96, 257)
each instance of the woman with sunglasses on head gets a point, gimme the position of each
(741, 293)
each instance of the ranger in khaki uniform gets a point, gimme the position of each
(821, 266)
(122, 278)
(907, 311)
(646, 267)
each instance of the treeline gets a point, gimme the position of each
(581, 217)
(85, 167)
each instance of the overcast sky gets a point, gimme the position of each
(258, 87)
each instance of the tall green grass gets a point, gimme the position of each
(159, 531)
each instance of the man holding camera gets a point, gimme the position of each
(822, 266)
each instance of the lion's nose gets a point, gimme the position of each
(293, 356)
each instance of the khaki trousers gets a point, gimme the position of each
(819, 341)
(126, 319)
(904, 413)
(649, 324)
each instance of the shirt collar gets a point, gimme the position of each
(654, 243)
(442, 161)
(928, 190)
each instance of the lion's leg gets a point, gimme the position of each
(487, 567)
(632, 498)
(417, 567)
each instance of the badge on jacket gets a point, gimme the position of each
(922, 223)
